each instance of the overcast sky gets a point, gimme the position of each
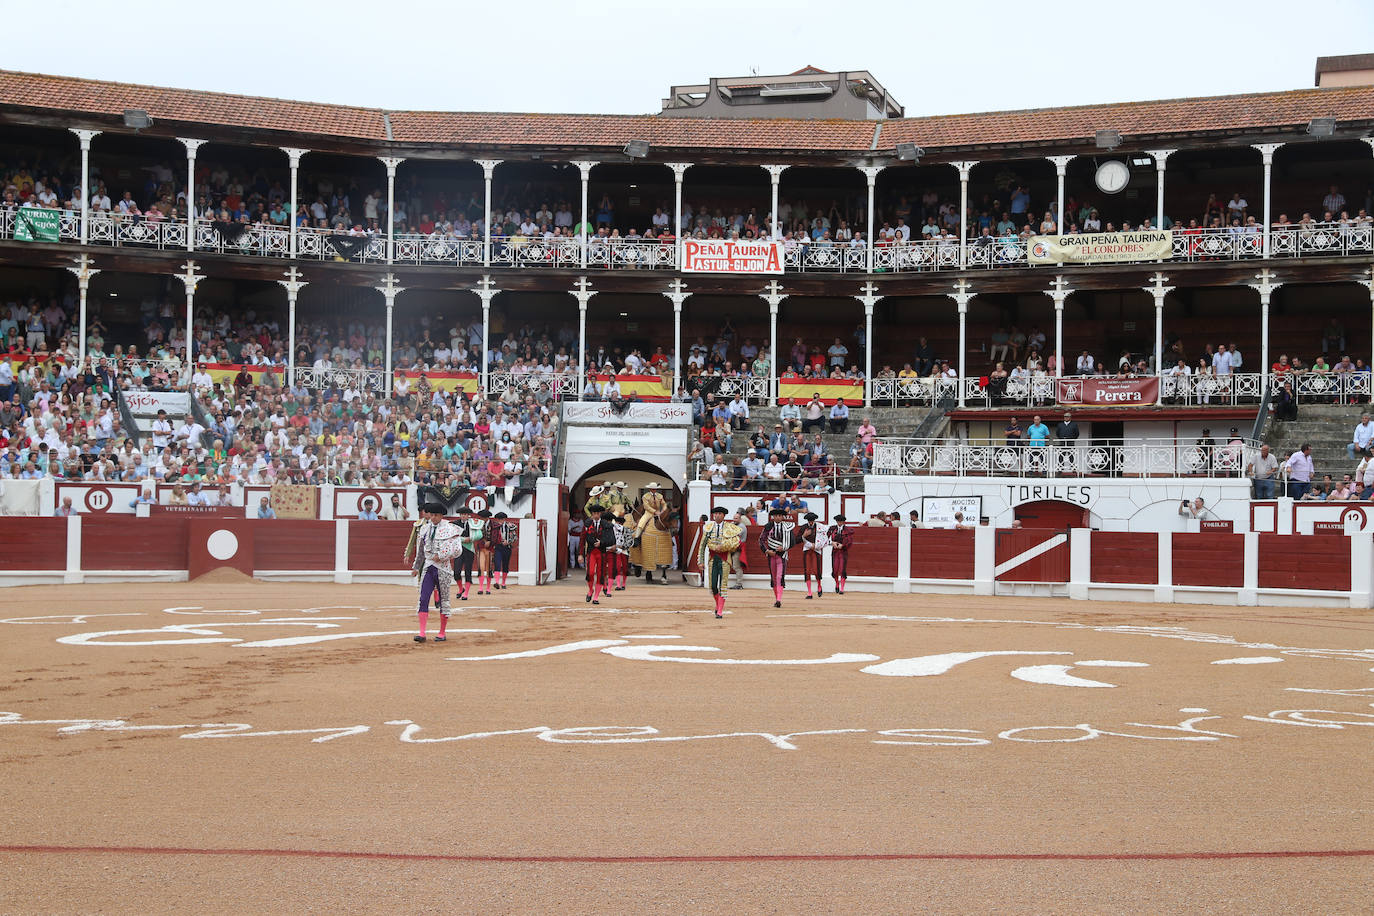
(621, 56)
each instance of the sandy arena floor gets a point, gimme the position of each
(238, 746)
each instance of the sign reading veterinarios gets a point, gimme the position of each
(1113, 392)
(1101, 247)
(732, 257)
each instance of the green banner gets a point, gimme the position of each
(32, 224)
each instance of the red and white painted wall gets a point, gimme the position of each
(1183, 561)
(175, 547)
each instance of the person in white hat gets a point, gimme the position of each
(655, 534)
(593, 496)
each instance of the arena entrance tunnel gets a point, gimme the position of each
(636, 474)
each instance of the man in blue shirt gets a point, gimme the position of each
(1038, 432)
(839, 416)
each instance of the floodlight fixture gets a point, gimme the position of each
(1141, 160)
(1108, 139)
(909, 152)
(137, 118)
(637, 149)
(1321, 127)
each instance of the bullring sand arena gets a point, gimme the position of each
(232, 745)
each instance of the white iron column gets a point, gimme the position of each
(583, 293)
(486, 292)
(293, 284)
(390, 162)
(775, 175)
(1369, 285)
(85, 137)
(1059, 291)
(83, 272)
(1267, 155)
(191, 147)
(961, 297)
(871, 173)
(964, 169)
(488, 167)
(190, 279)
(869, 299)
(1265, 285)
(294, 154)
(679, 170)
(1158, 291)
(584, 166)
(1160, 156)
(773, 296)
(677, 294)
(390, 290)
(1061, 164)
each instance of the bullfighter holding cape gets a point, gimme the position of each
(720, 541)
(775, 540)
(435, 545)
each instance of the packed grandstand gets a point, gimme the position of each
(205, 294)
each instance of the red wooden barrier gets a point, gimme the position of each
(874, 553)
(1209, 559)
(114, 542)
(34, 543)
(1022, 555)
(941, 553)
(1125, 556)
(1302, 561)
(294, 544)
(378, 545)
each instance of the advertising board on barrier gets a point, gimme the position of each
(148, 403)
(583, 412)
(938, 511)
(1101, 247)
(1109, 392)
(732, 257)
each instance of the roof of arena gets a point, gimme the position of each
(1253, 113)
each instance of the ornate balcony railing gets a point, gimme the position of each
(1082, 458)
(341, 377)
(560, 385)
(918, 255)
(755, 390)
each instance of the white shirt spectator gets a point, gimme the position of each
(1364, 432)
(1221, 362)
(191, 432)
(719, 473)
(739, 408)
(1299, 467)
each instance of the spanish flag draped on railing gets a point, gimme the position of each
(801, 389)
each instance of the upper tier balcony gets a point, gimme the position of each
(1320, 239)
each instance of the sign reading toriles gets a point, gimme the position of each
(1108, 392)
(732, 257)
(1101, 247)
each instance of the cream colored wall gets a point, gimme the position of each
(1338, 78)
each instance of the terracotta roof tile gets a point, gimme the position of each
(556, 130)
(1233, 112)
(552, 131)
(32, 90)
